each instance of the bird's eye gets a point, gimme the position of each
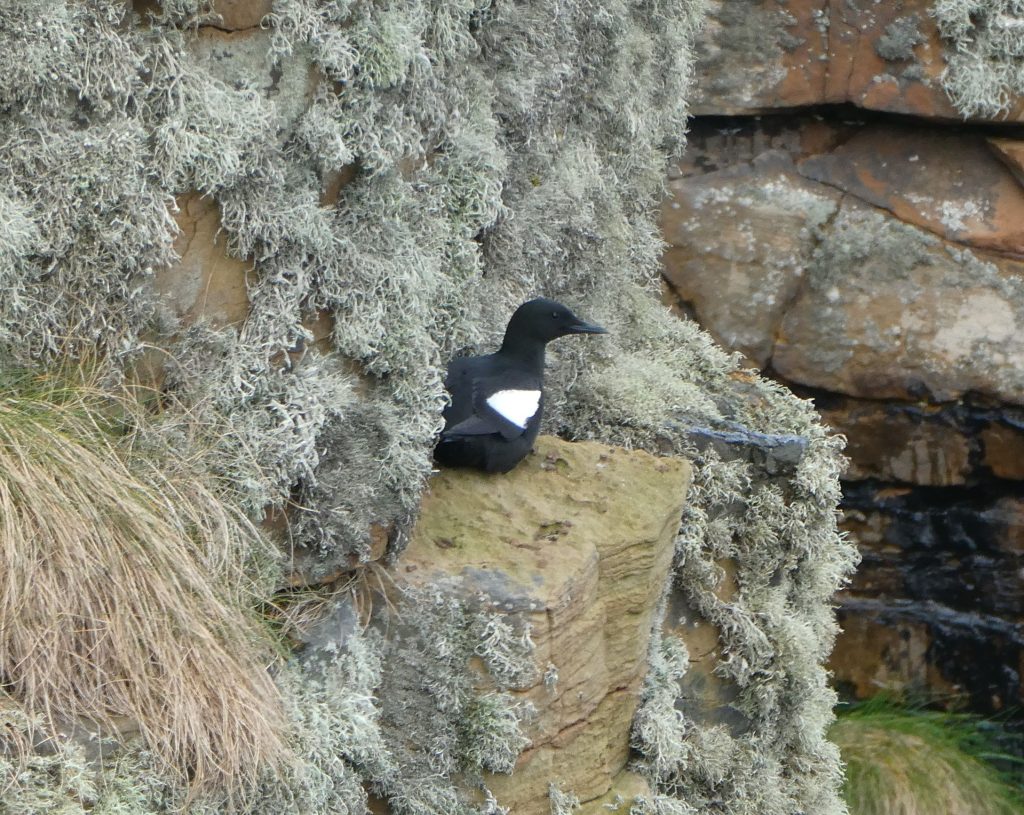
(554, 314)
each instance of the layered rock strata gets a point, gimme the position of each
(876, 266)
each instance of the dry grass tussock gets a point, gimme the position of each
(122, 594)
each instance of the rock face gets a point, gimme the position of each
(578, 541)
(762, 55)
(206, 283)
(876, 266)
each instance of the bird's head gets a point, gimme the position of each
(543, 320)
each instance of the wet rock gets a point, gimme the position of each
(910, 444)
(716, 143)
(577, 540)
(927, 648)
(1003, 447)
(917, 544)
(949, 183)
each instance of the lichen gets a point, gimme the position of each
(985, 55)
(899, 38)
(563, 802)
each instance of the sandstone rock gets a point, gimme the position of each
(739, 242)
(579, 540)
(906, 444)
(704, 697)
(948, 183)
(206, 283)
(890, 311)
(1011, 153)
(754, 56)
(761, 55)
(927, 648)
(240, 14)
(872, 658)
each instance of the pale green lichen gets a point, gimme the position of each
(984, 71)
(899, 38)
(563, 802)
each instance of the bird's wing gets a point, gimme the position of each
(506, 412)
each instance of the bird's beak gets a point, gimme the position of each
(587, 328)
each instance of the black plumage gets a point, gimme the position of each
(497, 400)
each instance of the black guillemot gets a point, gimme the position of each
(497, 400)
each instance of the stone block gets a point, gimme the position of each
(578, 539)
(206, 283)
(900, 443)
(949, 183)
(761, 55)
(890, 311)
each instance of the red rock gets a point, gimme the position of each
(743, 66)
(739, 241)
(1011, 153)
(948, 183)
(891, 311)
(764, 55)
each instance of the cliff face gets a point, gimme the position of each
(874, 263)
(274, 237)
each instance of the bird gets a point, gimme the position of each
(497, 400)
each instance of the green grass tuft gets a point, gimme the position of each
(906, 761)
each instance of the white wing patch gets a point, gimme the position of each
(516, 406)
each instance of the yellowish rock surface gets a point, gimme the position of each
(578, 539)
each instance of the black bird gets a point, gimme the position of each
(498, 399)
